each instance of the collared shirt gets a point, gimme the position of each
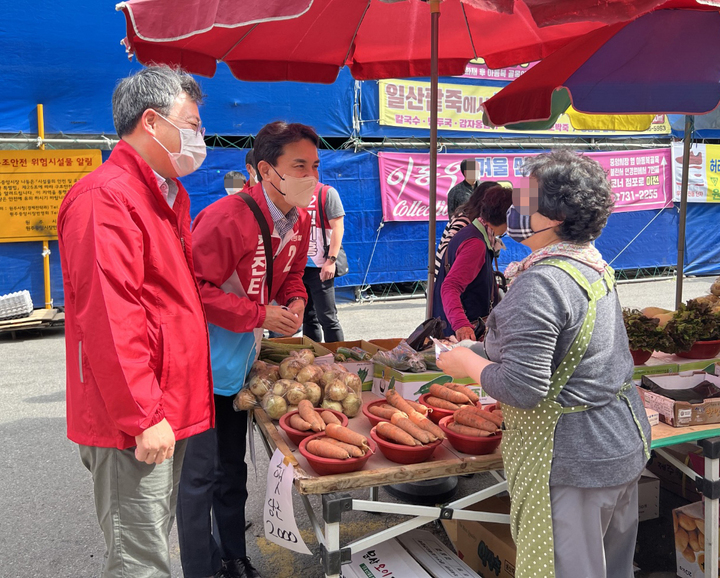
(168, 188)
(283, 223)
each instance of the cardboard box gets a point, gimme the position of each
(386, 559)
(434, 556)
(689, 528)
(653, 416)
(671, 478)
(648, 497)
(387, 344)
(661, 363)
(363, 369)
(414, 554)
(320, 351)
(413, 385)
(681, 413)
(487, 548)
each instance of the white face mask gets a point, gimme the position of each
(192, 150)
(298, 192)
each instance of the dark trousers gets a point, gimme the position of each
(320, 312)
(212, 494)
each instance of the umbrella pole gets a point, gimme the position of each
(432, 200)
(689, 127)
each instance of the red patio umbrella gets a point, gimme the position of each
(626, 68)
(311, 40)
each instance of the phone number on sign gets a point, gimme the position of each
(631, 196)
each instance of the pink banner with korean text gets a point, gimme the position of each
(640, 179)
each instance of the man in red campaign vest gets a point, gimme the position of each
(239, 283)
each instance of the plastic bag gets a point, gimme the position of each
(342, 390)
(402, 358)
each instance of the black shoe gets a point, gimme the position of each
(241, 568)
(223, 573)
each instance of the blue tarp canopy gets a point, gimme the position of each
(398, 251)
(68, 57)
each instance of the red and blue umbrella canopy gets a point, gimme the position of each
(663, 62)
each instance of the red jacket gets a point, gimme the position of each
(136, 337)
(227, 245)
(229, 260)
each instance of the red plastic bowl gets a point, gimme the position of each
(437, 413)
(295, 435)
(401, 454)
(702, 350)
(328, 466)
(640, 356)
(470, 444)
(374, 419)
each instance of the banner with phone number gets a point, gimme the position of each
(640, 179)
(406, 103)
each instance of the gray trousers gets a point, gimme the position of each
(135, 505)
(595, 530)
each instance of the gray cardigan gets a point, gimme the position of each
(529, 333)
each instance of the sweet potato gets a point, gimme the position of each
(418, 407)
(466, 430)
(420, 420)
(394, 434)
(354, 451)
(325, 450)
(346, 435)
(308, 413)
(437, 390)
(471, 419)
(396, 400)
(465, 390)
(299, 423)
(329, 417)
(492, 417)
(442, 403)
(415, 431)
(383, 412)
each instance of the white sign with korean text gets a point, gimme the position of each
(278, 514)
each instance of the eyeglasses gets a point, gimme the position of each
(197, 127)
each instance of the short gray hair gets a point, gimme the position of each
(154, 87)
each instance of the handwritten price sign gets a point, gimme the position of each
(278, 514)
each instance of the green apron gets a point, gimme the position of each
(527, 446)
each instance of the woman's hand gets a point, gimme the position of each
(453, 362)
(461, 362)
(465, 333)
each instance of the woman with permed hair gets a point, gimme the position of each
(465, 289)
(576, 436)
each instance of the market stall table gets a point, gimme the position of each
(445, 462)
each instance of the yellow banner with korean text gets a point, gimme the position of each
(406, 103)
(32, 186)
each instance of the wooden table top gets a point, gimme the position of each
(446, 461)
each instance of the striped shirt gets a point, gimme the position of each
(283, 223)
(453, 226)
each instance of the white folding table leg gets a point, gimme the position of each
(710, 487)
(332, 539)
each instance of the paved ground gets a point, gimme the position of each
(48, 526)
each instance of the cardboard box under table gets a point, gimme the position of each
(417, 553)
(708, 437)
(681, 413)
(378, 471)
